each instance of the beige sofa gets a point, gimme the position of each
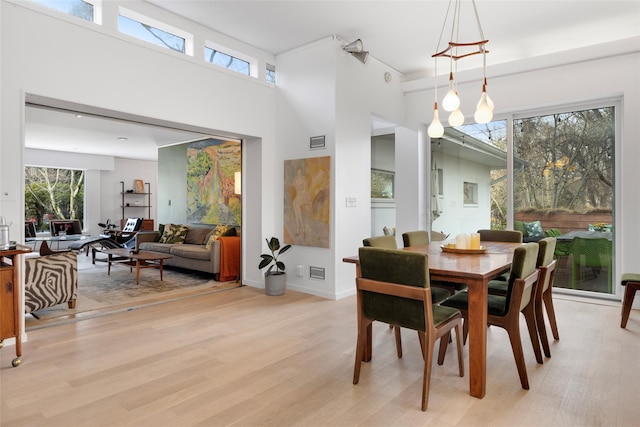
(192, 254)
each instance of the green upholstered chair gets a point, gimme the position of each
(504, 311)
(415, 238)
(562, 248)
(513, 236)
(394, 288)
(593, 253)
(421, 238)
(543, 297)
(388, 242)
(438, 294)
(631, 282)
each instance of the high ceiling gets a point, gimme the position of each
(401, 34)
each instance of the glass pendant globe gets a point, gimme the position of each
(483, 112)
(435, 130)
(451, 101)
(456, 118)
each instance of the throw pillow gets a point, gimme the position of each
(212, 238)
(174, 233)
(230, 232)
(534, 229)
(160, 232)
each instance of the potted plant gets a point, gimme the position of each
(275, 281)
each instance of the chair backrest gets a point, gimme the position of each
(513, 236)
(591, 252)
(132, 224)
(415, 238)
(388, 242)
(523, 265)
(546, 263)
(395, 267)
(438, 236)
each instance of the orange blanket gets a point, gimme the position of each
(229, 258)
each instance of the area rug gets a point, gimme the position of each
(100, 294)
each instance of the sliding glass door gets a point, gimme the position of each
(566, 185)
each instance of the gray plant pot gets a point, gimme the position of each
(275, 284)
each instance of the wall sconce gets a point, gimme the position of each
(237, 188)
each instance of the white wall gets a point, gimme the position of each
(457, 217)
(325, 91)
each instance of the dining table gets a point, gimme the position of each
(475, 269)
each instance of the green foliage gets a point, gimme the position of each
(272, 260)
(53, 193)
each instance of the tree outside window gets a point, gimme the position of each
(53, 194)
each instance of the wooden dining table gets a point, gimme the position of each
(475, 270)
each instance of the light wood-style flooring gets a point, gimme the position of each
(240, 358)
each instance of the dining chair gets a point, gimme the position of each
(415, 238)
(504, 311)
(421, 238)
(387, 241)
(438, 294)
(394, 288)
(631, 282)
(543, 296)
(513, 236)
(593, 253)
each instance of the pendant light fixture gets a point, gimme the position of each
(454, 51)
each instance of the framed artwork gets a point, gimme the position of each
(307, 201)
(214, 168)
(470, 193)
(382, 185)
(138, 186)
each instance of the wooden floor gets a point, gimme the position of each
(241, 358)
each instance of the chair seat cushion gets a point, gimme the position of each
(630, 277)
(497, 305)
(442, 314)
(498, 287)
(438, 295)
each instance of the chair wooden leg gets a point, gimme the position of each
(398, 335)
(427, 354)
(72, 303)
(551, 313)
(530, 318)
(442, 348)
(516, 347)
(459, 346)
(542, 328)
(627, 302)
(361, 343)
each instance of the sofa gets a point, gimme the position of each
(204, 249)
(50, 280)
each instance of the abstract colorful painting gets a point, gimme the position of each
(307, 184)
(211, 197)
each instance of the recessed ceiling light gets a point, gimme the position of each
(78, 115)
(122, 138)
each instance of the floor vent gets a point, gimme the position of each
(316, 273)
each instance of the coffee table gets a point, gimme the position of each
(139, 260)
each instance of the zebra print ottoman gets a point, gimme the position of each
(50, 280)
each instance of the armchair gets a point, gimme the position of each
(594, 253)
(51, 280)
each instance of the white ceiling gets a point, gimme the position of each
(401, 34)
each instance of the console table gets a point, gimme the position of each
(10, 325)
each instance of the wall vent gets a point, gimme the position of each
(316, 142)
(316, 273)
